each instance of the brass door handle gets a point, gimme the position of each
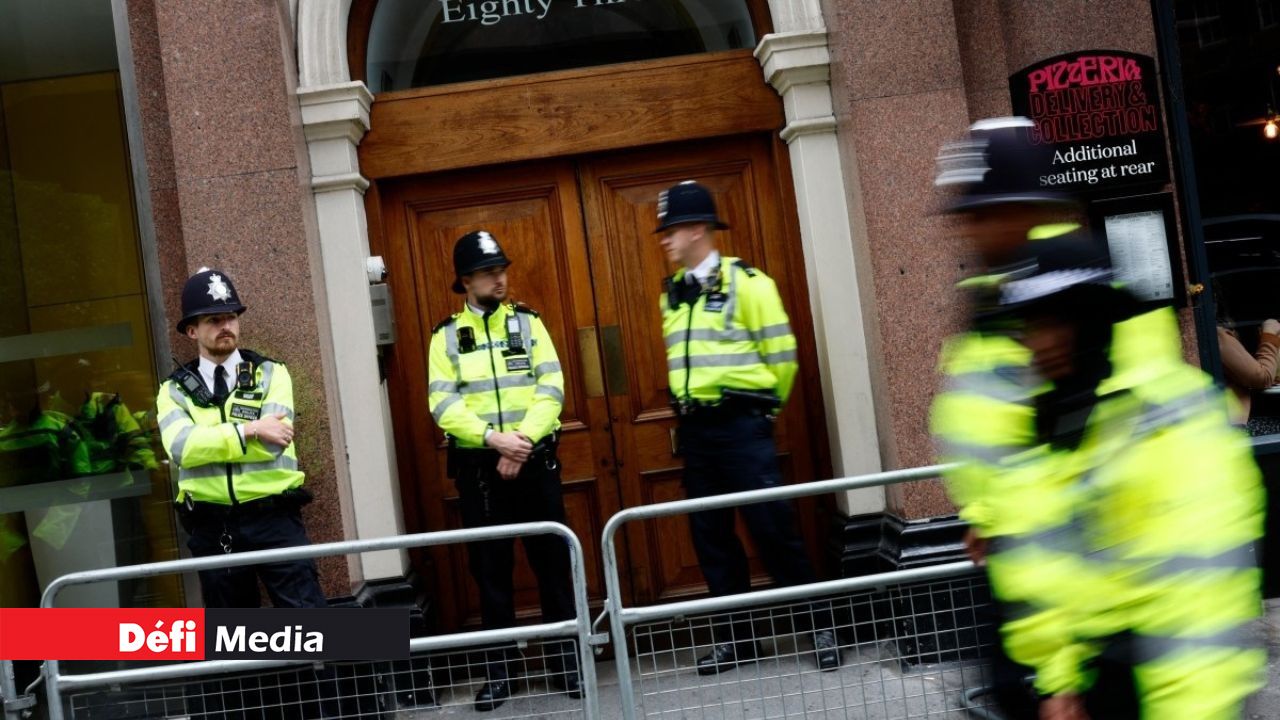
(589, 351)
(615, 361)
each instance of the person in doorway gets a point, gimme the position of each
(731, 359)
(496, 390)
(226, 421)
(1149, 566)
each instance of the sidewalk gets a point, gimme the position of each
(1265, 705)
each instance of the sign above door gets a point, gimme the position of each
(415, 43)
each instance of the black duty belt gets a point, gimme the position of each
(288, 500)
(732, 403)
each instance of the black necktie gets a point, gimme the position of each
(220, 391)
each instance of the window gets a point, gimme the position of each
(80, 482)
(414, 43)
(1230, 97)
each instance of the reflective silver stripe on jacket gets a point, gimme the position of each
(1150, 648)
(491, 384)
(180, 443)
(445, 386)
(547, 367)
(551, 390)
(451, 345)
(769, 332)
(706, 361)
(779, 357)
(444, 405)
(730, 303)
(268, 369)
(269, 408)
(175, 415)
(219, 470)
(505, 418)
(709, 334)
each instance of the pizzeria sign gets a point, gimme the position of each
(1099, 111)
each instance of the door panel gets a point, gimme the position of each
(620, 200)
(535, 214)
(580, 235)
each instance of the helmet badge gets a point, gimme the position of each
(218, 289)
(487, 244)
(662, 205)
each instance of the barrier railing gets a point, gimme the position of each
(929, 619)
(357, 686)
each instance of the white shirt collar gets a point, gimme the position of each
(705, 268)
(207, 369)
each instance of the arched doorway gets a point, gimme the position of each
(564, 167)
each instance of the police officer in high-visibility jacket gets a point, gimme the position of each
(496, 389)
(1146, 505)
(226, 421)
(984, 414)
(731, 361)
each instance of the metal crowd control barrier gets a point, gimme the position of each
(284, 695)
(914, 641)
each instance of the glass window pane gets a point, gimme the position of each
(414, 43)
(80, 482)
(1231, 87)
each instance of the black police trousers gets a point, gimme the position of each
(292, 584)
(731, 452)
(534, 495)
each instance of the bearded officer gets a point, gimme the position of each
(226, 420)
(731, 359)
(496, 390)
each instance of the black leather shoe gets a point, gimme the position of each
(492, 695)
(568, 683)
(726, 656)
(826, 650)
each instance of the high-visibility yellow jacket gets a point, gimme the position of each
(215, 465)
(1146, 528)
(735, 335)
(982, 418)
(479, 377)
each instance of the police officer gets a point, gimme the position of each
(984, 415)
(731, 360)
(496, 390)
(1156, 504)
(226, 420)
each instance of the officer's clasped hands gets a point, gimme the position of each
(511, 445)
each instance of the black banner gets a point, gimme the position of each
(307, 634)
(1100, 111)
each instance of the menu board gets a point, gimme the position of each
(1140, 253)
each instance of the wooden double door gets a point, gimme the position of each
(580, 235)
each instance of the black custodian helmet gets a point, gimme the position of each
(687, 202)
(475, 251)
(997, 163)
(208, 292)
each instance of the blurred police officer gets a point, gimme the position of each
(226, 420)
(984, 416)
(731, 360)
(496, 390)
(1149, 506)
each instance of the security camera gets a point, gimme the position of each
(376, 269)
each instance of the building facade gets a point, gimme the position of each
(304, 147)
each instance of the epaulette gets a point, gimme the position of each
(444, 322)
(522, 308)
(745, 267)
(257, 358)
